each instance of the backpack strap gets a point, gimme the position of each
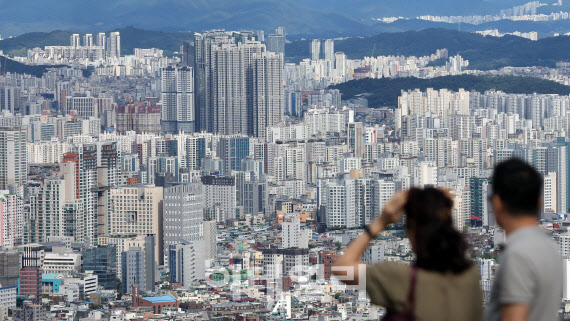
(412, 290)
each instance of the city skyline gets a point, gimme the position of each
(219, 174)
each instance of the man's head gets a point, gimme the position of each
(517, 190)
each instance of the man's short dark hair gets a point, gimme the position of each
(519, 186)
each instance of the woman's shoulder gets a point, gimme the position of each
(390, 270)
(471, 273)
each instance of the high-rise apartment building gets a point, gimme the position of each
(315, 49)
(329, 50)
(88, 40)
(75, 40)
(236, 83)
(268, 94)
(10, 99)
(11, 217)
(177, 99)
(83, 174)
(46, 216)
(353, 202)
(102, 40)
(114, 45)
(276, 42)
(13, 156)
(83, 106)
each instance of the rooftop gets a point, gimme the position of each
(160, 299)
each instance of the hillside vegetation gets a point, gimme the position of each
(385, 92)
(483, 53)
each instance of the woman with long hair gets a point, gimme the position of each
(441, 284)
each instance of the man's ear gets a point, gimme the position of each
(498, 206)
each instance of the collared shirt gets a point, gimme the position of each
(530, 273)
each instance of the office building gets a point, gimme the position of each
(102, 261)
(138, 267)
(220, 193)
(10, 99)
(187, 262)
(232, 150)
(62, 260)
(30, 282)
(9, 268)
(183, 210)
(138, 210)
(133, 272)
(33, 255)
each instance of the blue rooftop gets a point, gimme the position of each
(50, 276)
(160, 299)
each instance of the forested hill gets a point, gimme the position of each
(483, 53)
(12, 66)
(385, 91)
(130, 38)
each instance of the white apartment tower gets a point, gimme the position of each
(102, 40)
(315, 49)
(329, 50)
(13, 156)
(88, 40)
(114, 45)
(75, 40)
(268, 94)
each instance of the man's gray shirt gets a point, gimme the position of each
(530, 272)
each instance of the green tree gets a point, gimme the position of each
(338, 246)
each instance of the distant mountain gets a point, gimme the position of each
(316, 17)
(130, 38)
(483, 53)
(385, 92)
